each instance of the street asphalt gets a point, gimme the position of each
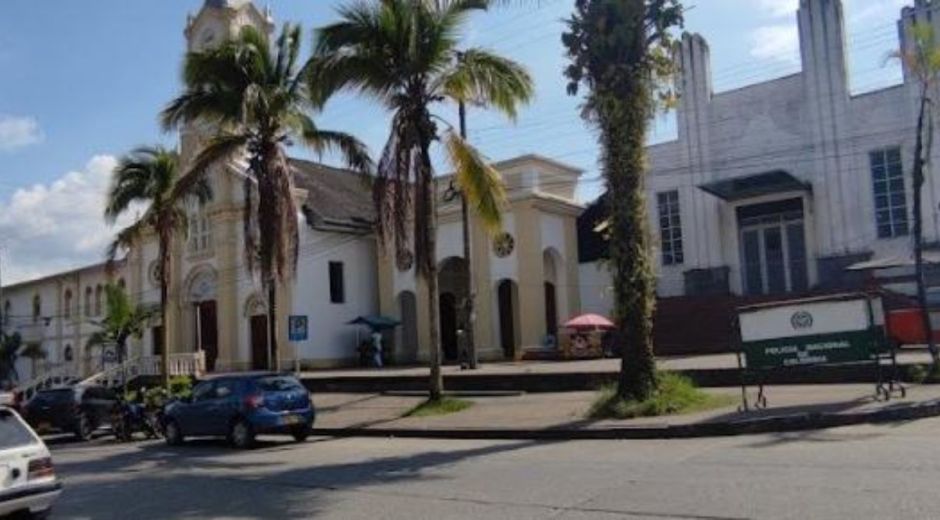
(881, 472)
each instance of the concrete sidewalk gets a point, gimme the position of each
(709, 361)
(560, 415)
(719, 370)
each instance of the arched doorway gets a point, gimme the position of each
(201, 292)
(406, 337)
(507, 295)
(452, 290)
(551, 265)
(448, 317)
(258, 334)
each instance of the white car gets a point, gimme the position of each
(7, 399)
(28, 484)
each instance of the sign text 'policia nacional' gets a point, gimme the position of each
(812, 331)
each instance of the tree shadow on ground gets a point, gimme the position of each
(771, 440)
(197, 481)
(801, 409)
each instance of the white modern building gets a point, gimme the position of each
(776, 187)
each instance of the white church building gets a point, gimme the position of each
(526, 277)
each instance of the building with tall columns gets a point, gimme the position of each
(526, 278)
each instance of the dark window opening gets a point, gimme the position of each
(337, 285)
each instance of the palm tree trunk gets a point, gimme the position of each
(919, 164)
(623, 136)
(436, 386)
(274, 356)
(164, 269)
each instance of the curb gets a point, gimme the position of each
(789, 423)
(587, 381)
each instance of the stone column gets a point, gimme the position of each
(531, 271)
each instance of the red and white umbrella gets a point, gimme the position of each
(590, 322)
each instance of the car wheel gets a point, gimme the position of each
(83, 429)
(241, 435)
(173, 433)
(301, 433)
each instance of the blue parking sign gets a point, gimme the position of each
(297, 328)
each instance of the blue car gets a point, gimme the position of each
(241, 406)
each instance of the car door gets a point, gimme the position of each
(192, 414)
(91, 399)
(105, 405)
(221, 409)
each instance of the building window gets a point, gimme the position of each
(122, 285)
(98, 294)
(199, 231)
(7, 307)
(37, 308)
(887, 176)
(337, 284)
(68, 304)
(670, 227)
(88, 296)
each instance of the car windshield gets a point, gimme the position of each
(279, 384)
(13, 433)
(54, 396)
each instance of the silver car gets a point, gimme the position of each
(28, 483)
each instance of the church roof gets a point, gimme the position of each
(337, 199)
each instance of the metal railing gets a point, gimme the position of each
(60, 375)
(186, 364)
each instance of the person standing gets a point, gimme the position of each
(377, 348)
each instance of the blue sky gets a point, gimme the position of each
(81, 82)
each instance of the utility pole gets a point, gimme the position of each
(469, 314)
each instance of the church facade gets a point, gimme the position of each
(525, 281)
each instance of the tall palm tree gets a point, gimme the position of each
(150, 176)
(620, 52)
(514, 87)
(404, 53)
(256, 96)
(123, 320)
(922, 60)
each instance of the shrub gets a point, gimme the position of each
(446, 405)
(675, 394)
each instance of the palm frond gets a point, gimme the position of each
(220, 148)
(125, 239)
(478, 181)
(355, 153)
(486, 79)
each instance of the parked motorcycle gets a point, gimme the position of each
(132, 417)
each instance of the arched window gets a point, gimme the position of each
(37, 308)
(98, 292)
(122, 285)
(68, 304)
(88, 308)
(67, 354)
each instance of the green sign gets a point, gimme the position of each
(818, 349)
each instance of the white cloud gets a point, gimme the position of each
(777, 8)
(883, 12)
(47, 228)
(776, 42)
(17, 132)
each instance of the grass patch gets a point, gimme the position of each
(445, 406)
(676, 394)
